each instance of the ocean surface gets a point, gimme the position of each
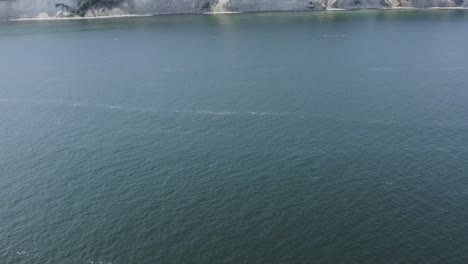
(334, 137)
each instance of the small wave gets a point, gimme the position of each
(267, 114)
(206, 112)
(162, 131)
(334, 36)
(224, 113)
(137, 109)
(112, 107)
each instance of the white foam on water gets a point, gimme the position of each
(222, 12)
(334, 36)
(137, 109)
(166, 131)
(207, 112)
(267, 114)
(225, 113)
(110, 107)
(336, 9)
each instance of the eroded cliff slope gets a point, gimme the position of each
(10, 9)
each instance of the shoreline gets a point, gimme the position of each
(226, 13)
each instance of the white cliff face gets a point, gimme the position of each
(220, 6)
(10, 9)
(354, 4)
(364, 4)
(163, 6)
(274, 5)
(31, 8)
(426, 3)
(202, 6)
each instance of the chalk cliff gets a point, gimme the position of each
(10, 9)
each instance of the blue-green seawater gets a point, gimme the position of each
(335, 137)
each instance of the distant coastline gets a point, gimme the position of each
(225, 13)
(92, 9)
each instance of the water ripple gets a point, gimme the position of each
(137, 109)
